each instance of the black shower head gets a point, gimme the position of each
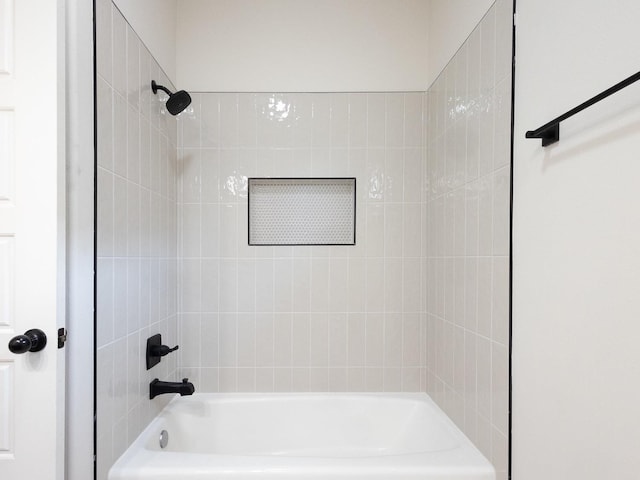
(177, 101)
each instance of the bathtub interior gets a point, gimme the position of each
(304, 425)
(402, 436)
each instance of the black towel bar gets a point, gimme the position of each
(550, 132)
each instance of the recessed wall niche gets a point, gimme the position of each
(302, 211)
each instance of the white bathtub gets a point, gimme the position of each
(302, 436)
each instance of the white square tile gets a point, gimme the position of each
(356, 335)
(105, 120)
(338, 379)
(374, 330)
(133, 68)
(105, 299)
(394, 124)
(300, 340)
(393, 277)
(484, 296)
(393, 230)
(339, 120)
(413, 161)
(210, 188)
(228, 119)
(228, 286)
(470, 371)
(133, 294)
(228, 340)
(411, 340)
(413, 125)
(190, 340)
(190, 277)
(338, 328)
(319, 340)
(338, 284)
(246, 340)
(209, 342)
(321, 123)
(191, 236)
(282, 381)
(500, 387)
(282, 341)
(394, 175)
(210, 121)
(228, 230)
(120, 231)
(264, 339)
(264, 379)
(501, 212)
(319, 291)
(190, 123)
(483, 375)
(375, 285)
(357, 120)
(374, 380)
(319, 379)
(119, 135)
(246, 285)
(105, 229)
(264, 285)
(119, 52)
(411, 286)
(356, 285)
(302, 106)
(500, 300)
(209, 278)
(376, 120)
(356, 379)
(392, 379)
(375, 230)
(210, 229)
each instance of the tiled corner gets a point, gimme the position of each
(137, 236)
(467, 204)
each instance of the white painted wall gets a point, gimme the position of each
(576, 273)
(155, 23)
(302, 45)
(449, 24)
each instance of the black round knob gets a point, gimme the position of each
(20, 344)
(33, 340)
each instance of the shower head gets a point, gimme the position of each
(177, 101)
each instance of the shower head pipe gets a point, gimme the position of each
(155, 87)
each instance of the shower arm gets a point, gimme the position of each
(155, 87)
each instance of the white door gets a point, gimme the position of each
(32, 230)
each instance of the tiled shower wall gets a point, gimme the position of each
(137, 240)
(467, 246)
(340, 318)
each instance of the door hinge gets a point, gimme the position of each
(62, 337)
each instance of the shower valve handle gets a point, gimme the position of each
(156, 350)
(162, 350)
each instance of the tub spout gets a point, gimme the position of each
(158, 387)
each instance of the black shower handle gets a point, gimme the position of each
(162, 350)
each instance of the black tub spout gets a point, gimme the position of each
(158, 387)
